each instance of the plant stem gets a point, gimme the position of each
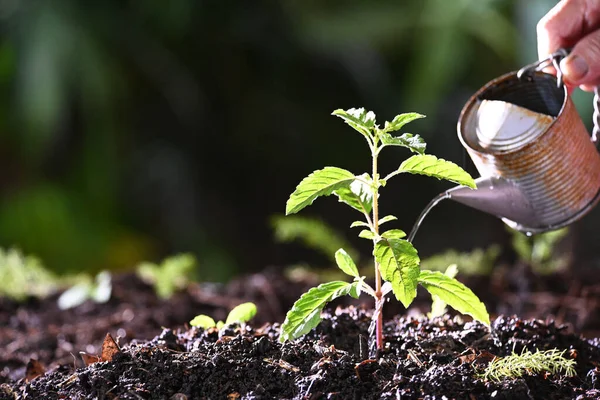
(378, 293)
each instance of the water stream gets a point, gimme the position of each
(426, 210)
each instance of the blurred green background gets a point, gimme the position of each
(134, 129)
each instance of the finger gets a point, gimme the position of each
(582, 66)
(590, 87)
(561, 27)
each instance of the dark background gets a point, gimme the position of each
(130, 130)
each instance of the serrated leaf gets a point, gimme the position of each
(355, 289)
(438, 168)
(345, 263)
(203, 321)
(413, 142)
(438, 306)
(455, 294)
(358, 118)
(400, 120)
(393, 234)
(241, 313)
(320, 183)
(306, 311)
(366, 234)
(356, 224)
(399, 264)
(358, 195)
(387, 218)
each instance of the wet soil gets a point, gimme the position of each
(162, 358)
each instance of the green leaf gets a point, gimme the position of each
(393, 234)
(455, 294)
(366, 234)
(438, 306)
(400, 120)
(345, 263)
(320, 183)
(241, 313)
(203, 321)
(306, 311)
(385, 219)
(358, 118)
(399, 264)
(438, 168)
(413, 142)
(358, 195)
(360, 223)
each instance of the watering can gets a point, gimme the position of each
(540, 170)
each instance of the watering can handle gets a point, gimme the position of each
(554, 60)
(596, 130)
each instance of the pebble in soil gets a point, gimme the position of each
(423, 359)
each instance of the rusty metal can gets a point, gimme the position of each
(525, 130)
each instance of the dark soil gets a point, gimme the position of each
(423, 359)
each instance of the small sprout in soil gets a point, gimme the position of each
(539, 251)
(98, 291)
(239, 314)
(24, 275)
(516, 365)
(173, 274)
(396, 260)
(478, 261)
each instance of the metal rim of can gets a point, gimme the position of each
(474, 99)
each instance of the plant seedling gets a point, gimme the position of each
(396, 260)
(99, 291)
(240, 314)
(539, 251)
(516, 365)
(173, 274)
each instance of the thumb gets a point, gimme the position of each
(582, 66)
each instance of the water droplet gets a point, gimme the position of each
(528, 234)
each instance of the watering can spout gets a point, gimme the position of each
(497, 196)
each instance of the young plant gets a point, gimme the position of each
(24, 275)
(516, 365)
(173, 274)
(240, 314)
(396, 260)
(99, 290)
(539, 251)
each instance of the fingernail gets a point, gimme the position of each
(574, 67)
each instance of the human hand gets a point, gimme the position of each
(576, 24)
